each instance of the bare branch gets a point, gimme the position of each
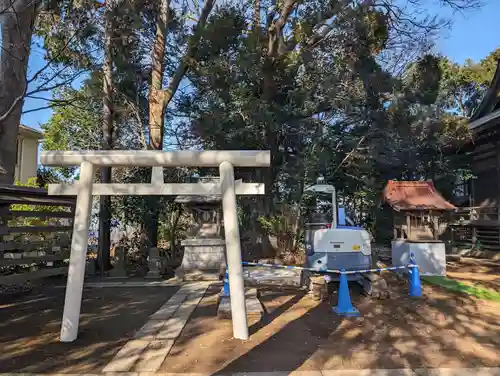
(190, 54)
(35, 76)
(54, 58)
(350, 154)
(58, 85)
(14, 104)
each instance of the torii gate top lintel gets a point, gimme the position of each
(153, 158)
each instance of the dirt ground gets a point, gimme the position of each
(442, 329)
(30, 325)
(475, 272)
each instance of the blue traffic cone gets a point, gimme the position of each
(225, 289)
(344, 306)
(415, 285)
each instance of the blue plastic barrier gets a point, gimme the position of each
(415, 285)
(225, 289)
(350, 227)
(341, 216)
(344, 306)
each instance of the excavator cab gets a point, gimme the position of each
(332, 241)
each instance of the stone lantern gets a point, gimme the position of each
(204, 249)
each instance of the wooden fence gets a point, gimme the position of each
(35, 233)
(476, 228)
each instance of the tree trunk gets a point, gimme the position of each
(17, 30)
(156, 95)
(159, 99)
(157, 108)
(256, 18)
(107, 141)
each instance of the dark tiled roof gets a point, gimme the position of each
(414, 195)
(491, 100)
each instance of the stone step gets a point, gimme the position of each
(253, 304)
(261, 276)
(197, 275)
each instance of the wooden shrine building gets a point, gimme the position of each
(484, 150)
(477, 224)
(417, 210)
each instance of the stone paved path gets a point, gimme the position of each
(152, 343)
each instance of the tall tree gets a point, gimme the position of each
(464, 85)
(67, 32)
(107, 134)
(312, 82)
(159, 98)
(17, 20)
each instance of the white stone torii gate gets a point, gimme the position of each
(85, 188)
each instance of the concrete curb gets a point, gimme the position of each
(100, 285)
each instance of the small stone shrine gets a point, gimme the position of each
(204, 249)
(417, 209)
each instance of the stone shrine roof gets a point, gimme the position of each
(208, 199)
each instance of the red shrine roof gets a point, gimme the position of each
(414, 195)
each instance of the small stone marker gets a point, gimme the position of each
(154, 264)
(90, 268)
(319, 288)
(119, 270)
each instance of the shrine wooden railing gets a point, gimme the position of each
(475, 228)
(35, 233)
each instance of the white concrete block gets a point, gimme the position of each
(430, 257)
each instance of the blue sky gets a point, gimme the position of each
(473, 35)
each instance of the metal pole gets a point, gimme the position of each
(233, 251)
(79, 241)
(334, 208)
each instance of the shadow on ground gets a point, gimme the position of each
(443, 329)
(476, 272)
(30, 325)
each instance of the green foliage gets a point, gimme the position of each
(69, 32)
(463, 86)
(284, 227)
(75, 126)
(329, 107)
(345, 90)
(457, 286)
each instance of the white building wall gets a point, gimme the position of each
(27, 159)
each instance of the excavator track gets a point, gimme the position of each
(375, 286)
